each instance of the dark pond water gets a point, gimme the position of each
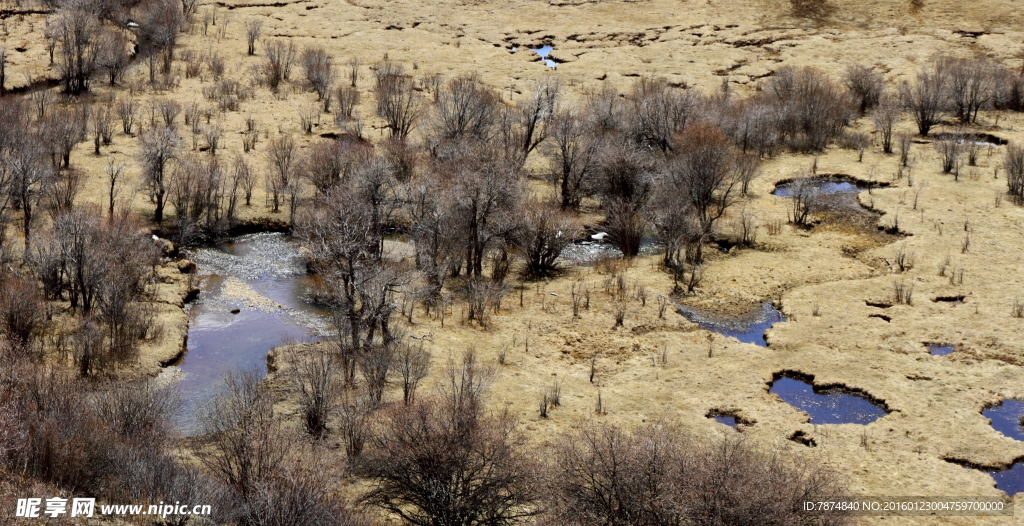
(940, 350)
(826, 406)
(543, 52)
(263, 277)
(984, 139)
(727, 420)
(823, 186)
(1006, 418)
(1011, 481)
(748, 328)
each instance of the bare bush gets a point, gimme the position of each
(927, 99)
(573, 157)
(885, 116)
(347, 100)
(413, 364)
(313, 373)
(950, 149)
(1014, 166)
(158, 145)
(812, 109)
(865, 85)
(319, 68)
(545, 231)
(971, 85)
(280, 58)
(603, 475)
(253, 30)
(244, 443)
(22, 312)
(397, 102)
(433, 462)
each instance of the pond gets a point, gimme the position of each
(940, 350)
(825, 405)
(747, 328)
(1006, 418)
(585, 252)
(544, 52)
(252, 299)
(1010, 481)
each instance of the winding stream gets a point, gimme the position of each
(251, 300)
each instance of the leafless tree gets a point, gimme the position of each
(573, 157)
(126, 112)
(3, 70)
(244, 177)
(113, 170)
(657, 111)
(158, 145)
(971, 85)
(253, 30)
(905, 142)
(465, 108)
(1014, 166)
(347, 99)
(113, 55)
(319, 68)
(885, 116)
(951, 149)
(544, 232)
(22, 312)
(313, 372)
(433, 463)
(282, 155)
(245, 443)
(865, 85)
(76, 31)
(413, 363)
(626, 185)
(927, 99)
(656, 475)
(812, 109)
(397, 102)
(280, 58)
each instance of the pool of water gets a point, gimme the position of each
(543, 52)
(727, 420)
(826, 406)
(585, 252)
(940, 350)
(1006, 418)
(823, 186)
(261, 276)
(1010, 481)
(748, 328)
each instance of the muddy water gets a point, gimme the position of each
(748, 328)
(826, 406)
(261, 276)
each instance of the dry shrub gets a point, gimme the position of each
(603, 475)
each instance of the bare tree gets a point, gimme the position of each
(573, 157)
(413, 364)
(544, 232)
(432, 463)
(76, 31)
(280, 58)
(313, 372)
(253, 30)
(126, 112)
(3, 70)
(885, 116)
(159, 145)
(657, 112)
(865, 85)
(347, 98)
(245, 443)
(1014, 166)
(113, 55)
(397, 102)
(926, 99)
(465, 108)
(811, 109)
(971, 85)
(951, 149)
(113, 170)
(319, 68)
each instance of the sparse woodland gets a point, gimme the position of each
(456, 169)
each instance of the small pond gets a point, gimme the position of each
(826, 406)
(544, 52)
(940, 350)
(262, 279)
(1006, 418)
(1010, 481)
(747, 328)
(727, 420)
